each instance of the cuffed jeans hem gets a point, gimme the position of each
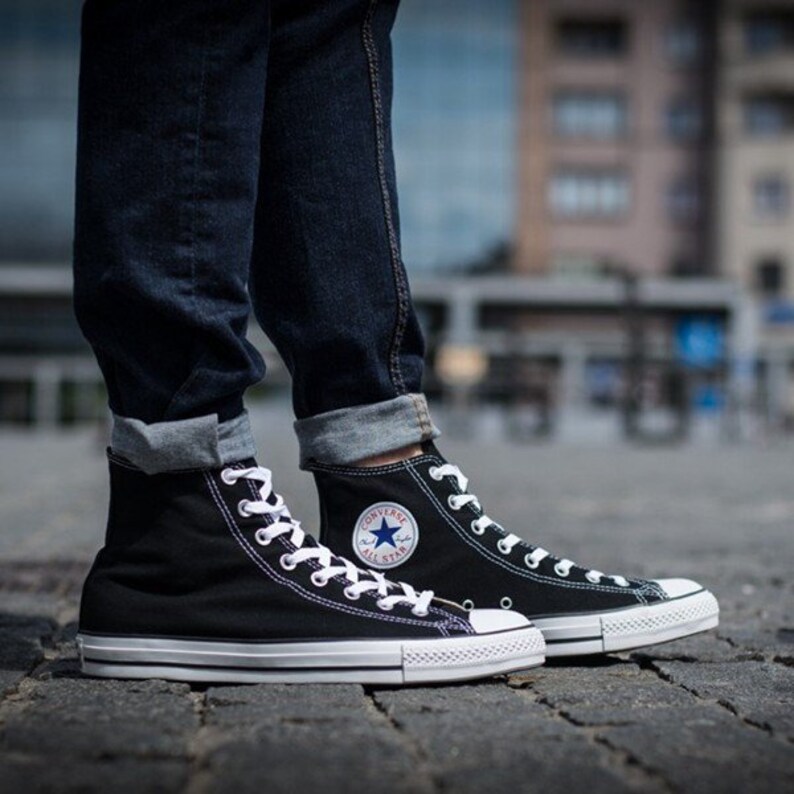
(347, 435)
(198, 443)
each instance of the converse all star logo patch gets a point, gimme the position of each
(385, 535)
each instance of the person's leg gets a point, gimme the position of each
(328, 281)
(331, 291)
(171, 104)
(204, 574)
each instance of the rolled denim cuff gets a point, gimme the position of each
(198, 443)
(347, 435)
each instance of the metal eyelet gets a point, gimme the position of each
(468, 604)
(434, 475)
(242, 508)
(530, 563)
(592, 579)
(287, 563)
(384, 607)
(476, 529)
(260, 536)
(561, 572)
(226, 478)
(506, 602)
(502, 548)
(350, 595)
(452, 502)
(420, 614)
(318, 580)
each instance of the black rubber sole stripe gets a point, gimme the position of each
(180, 638)
(131, 663)
(577, 639)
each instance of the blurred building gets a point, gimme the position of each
(755, 225)
(755, 107)
(631, 162)
(616, 138)
(656, 141)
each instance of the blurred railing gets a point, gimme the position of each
(467, 319)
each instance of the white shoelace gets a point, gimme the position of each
(509, 541)
(359, 581)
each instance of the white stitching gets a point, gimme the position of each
(400, 281)
(485, 552)
(265, 568)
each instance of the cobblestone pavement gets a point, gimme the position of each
(710, 713)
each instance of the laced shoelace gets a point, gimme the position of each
(509, 541)
(359, 581)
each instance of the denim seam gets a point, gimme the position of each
(197, 154)
(400, 284)
(422, 415)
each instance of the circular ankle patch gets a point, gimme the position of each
(385, 535)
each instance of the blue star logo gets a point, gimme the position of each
(385, 534)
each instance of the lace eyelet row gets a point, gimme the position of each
(318, 580)
(505, 602)
(319, 577)
(476, 528)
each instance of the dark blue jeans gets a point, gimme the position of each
(235, 153)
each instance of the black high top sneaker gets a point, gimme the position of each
(205, 576)
(416, 520)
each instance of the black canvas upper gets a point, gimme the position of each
(180, 561)
(449, 556)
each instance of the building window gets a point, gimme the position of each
(682, 43)
(770, 277)
(589, 194)
(589, 114)
(767, 32)
(682, 199)
(769, 114)
(686, 266)
(582, 265)
(683, 119)
(592, 38)
(771, 196)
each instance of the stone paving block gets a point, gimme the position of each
(21, 646)
(705, 749)
(706, 647)
(228, 706)
(27, 604)
(317, 737)
(607, 691)
(758, 615)
(39, 775)
(489, 737)
(94, 718)
(759, 692)
(597, 725)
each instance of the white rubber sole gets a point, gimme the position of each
(345, 661)
(633, 627)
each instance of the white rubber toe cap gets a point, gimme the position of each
(675, 588)
(487, 621)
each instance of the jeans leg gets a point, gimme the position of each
(171, 104)
(328, 281)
